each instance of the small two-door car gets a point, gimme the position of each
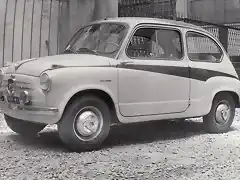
(122, 70)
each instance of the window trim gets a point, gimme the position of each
(102, 22)
(94, 23)
(139, 26)
(205, 35)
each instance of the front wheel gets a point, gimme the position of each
(85, 124)
(220, 118)
(23, 128)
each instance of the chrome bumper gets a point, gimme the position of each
(21, 107)
(46, 115)
(30, 108)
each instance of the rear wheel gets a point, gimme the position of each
(220, 118)
(23, 128)
(85, 124)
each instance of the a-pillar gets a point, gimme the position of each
(77, 13)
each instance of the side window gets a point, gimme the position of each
(202, 48)
(155, 43)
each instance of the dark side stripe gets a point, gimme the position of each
(205, 74)
(186, 72)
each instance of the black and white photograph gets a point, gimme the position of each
(119, 89)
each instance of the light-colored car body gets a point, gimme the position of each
(139, 90)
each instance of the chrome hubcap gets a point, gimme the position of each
(223, 113)
(88, 123)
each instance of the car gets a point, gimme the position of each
(121, 71)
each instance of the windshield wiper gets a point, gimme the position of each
(80, 50)
(88, 50)
(70, 51)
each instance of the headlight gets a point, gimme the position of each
(24, 97)
(45, 82)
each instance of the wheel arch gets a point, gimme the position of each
(99, 93)
(218, 85)
(234, 95)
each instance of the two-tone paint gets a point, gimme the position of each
(141, 90)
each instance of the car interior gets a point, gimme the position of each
(155, 43)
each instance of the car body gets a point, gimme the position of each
(139, 69)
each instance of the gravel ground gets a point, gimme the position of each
(156, 151)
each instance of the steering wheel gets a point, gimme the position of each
(108, 43)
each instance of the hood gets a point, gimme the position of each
(35, 67)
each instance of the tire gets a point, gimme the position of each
(75, 136)
(212, 123)
(24, 128)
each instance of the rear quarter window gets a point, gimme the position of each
(203, 48)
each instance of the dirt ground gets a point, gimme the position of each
(155, 151)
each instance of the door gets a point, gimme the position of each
(205, 57)
(154, 76)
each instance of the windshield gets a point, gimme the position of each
(101, 39)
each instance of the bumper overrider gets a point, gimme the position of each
(16, 102)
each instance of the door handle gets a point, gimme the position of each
(126, 63)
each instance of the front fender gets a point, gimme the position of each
(75, 90)
(67, 82)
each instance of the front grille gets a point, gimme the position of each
(18, 85)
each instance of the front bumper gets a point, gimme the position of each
(36, 111)
(44, 115)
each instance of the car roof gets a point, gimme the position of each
(141, 20)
